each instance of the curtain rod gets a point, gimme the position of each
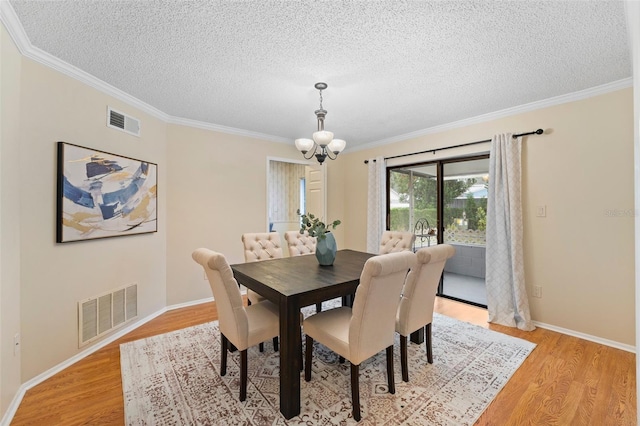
(535, 132)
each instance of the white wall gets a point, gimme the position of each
(582, 170)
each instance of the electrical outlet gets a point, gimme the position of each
(537, 291)
(16, 344)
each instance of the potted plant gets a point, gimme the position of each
(326, 246)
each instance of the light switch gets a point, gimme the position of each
(541, 211)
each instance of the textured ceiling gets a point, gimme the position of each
(393, 67)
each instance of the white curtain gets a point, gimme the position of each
(376, 203)
(507, 301)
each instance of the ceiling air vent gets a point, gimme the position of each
(121, 121)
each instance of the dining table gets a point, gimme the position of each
(293, 283)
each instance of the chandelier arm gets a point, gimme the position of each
(315, 149)
(328, 153)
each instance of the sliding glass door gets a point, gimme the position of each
(445, 201)
(413, 197)
(464, 213)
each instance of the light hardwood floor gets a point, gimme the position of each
(565, 380)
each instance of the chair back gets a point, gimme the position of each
(262, 246)
(418, 295)
(300, 244)
(232, 317)
(394, 241)
(372, 326)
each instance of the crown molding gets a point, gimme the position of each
(14, 27)
(16, 30)
(545, 103)
(17, 33)
(224, 129)
(11, 22)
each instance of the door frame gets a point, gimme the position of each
(293, 161)
(439, 164)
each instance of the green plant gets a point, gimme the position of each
(482, 219)
(315, 227)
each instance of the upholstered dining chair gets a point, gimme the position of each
(360, 332)
(243, 327)
(394, 241)
(415, 309)
(260, 246)
(300, 244)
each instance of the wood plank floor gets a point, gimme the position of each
(565, 380)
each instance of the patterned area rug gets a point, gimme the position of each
(173, 379)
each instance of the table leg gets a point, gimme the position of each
(290, 347)
(418, 336)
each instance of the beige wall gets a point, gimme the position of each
(10, 66)
(212, 188)
(54, 277)
(217, 186)
(581, 169)
(633, 21)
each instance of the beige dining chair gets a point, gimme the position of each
(260, 246)
(242, 326)
(415, 309)
(394, 241)
(299, 245)
(360, 332)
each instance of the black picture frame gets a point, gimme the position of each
(103, 195)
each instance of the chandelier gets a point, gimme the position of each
(323, 143)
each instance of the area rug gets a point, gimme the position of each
(173, 379)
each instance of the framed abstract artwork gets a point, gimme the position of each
(103, 195)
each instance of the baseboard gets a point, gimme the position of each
(187, 304)
(15, 403)
(17, 399)
(605, 342)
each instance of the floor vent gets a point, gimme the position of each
(121, 121)
(101, 314)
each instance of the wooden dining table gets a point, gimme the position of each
(293, 283)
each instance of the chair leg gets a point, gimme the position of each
(223, 354)
(390, 379)
(243, 375)
(427, 340)
(355, 391)
(301, 354)
(308, 353)
(275, 344)
(403, 358)
(261, 346)
(318, 307)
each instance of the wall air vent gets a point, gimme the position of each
(121, 121)
(106, 312)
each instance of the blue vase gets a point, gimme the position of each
(326, 250)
